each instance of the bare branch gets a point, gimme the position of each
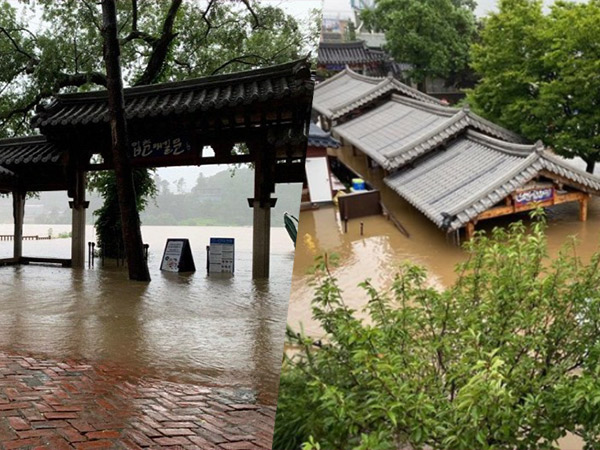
(254, 15)
(17, 46)
(79, 79)
(160, 48)
(93, 13)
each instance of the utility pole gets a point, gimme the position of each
(130, 218)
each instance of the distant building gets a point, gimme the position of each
(351, 44)
(336, 56)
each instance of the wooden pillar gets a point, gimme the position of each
(261, 205)
(261, 240)
(470, 230)
(18, 214)
(78, 205)
(583, 208)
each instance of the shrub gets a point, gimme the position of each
(505, 358)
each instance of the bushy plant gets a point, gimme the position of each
(505, 358)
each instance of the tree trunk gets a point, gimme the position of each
(591, 165)
(130, 219)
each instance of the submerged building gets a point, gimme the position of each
(454, 166)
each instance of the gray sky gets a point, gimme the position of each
(341, 8)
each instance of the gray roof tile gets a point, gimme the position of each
(475, 172)
(402, 129)
(28, 150)
(341, 53)
(202, 94)
(348, 91)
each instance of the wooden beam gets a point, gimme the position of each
(470, 230)
(18, 214)
(514, 208)
(583, 208)
(78, 205)
(566, 181)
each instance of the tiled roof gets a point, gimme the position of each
(384, 87)
(319, 138)
(402, 129)
(348, 90)
(6, 174)
(340, 89)
(476, 172)
(342, 53)
(203, 94)
(28, 150)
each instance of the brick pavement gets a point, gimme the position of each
(60, 405)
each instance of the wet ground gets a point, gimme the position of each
(187, 328)
(67, 405)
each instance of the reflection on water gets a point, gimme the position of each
(187, 327)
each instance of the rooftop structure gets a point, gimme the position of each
(349, 91)
(451, 164)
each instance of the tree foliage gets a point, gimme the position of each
(505, 358)
(432, 35)
(160, 41)
(539, 74)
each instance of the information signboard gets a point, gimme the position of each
(533, 195)
(177, 256)
(221, 255)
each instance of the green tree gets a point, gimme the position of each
(432, 35)
(505, 358)
(539, 74)
(160, 41)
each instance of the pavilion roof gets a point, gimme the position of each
(208, 94)
(474, 173)
(28, 150)
(342, 53)
(402, 129)
(319, 138)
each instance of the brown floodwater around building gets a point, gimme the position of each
(216, 330)
(379, 252)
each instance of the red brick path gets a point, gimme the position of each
(54, 405)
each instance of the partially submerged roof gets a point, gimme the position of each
(347, 53)
(402, 129)
(475, 172)
(348, 90)
(249, 88)
(319, 138)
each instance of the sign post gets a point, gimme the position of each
(177, 256)
(221, 255)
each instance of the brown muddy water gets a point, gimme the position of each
(380, 251)
(377, 254)
(216, 330)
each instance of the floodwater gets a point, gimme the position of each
(215, 330)
(382, 249)
(378, 253)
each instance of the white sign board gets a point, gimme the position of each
(317, 175)
(172, 256)
(221, 255)
(177, 256)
